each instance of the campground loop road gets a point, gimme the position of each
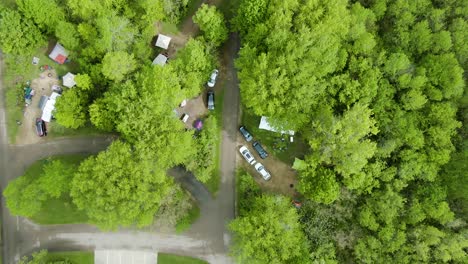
(207, 238)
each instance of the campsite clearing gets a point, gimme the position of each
(41, 86)
(18, 70)
(277, 144)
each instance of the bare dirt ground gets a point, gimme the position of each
(283, 177)
(41, 86)
(195, 108)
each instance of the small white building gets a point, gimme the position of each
(160, 60)
(68, 80)
(264, 124)
(163, 41)
(49, 107)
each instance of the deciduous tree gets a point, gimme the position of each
(269, 233)
(116, 65)
(120, 187)
(193, 65)
(70, 109)
(83, 81)
(316, 182)
(211, 22)
(67, 35)
(17, 34)
(203, 164)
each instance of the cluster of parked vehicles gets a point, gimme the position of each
(245, 152)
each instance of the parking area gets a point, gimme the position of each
(283, 178)
(125, 257)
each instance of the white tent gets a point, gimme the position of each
(49, 107)
(69, 80)
(265, 125)
(59, 54)
(163, 41)
(160, 60)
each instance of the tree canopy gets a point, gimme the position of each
(269, 233)
(375, 97)
(119, 187)
(26, 195)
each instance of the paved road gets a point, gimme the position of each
(207, 239)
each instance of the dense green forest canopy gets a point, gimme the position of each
(375, 87)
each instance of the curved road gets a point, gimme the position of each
(207, 238)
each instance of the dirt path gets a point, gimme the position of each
(191, 184)
(223, 208)
(207, 238)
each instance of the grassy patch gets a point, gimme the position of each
(60, 210)
(59, 131)
(169, 28)
(75, 257)
(272, 140)
(185, 223)
(213, 183)
(14, 106)
(164, 258)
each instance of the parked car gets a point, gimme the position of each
(210, 99)
(184, 118)
(41, 129)
(265, 174)
(260, 150)
(213, 76)
(247, 155)
(246, 134)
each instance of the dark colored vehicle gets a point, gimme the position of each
(260, 150)
(41, 128)
(245, 133)
(210, 99)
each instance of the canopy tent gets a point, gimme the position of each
(69, 80)
(49, 107)
(163, 41)
(160, 60)
(59, 54)
(265, 125)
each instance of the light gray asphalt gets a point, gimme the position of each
(207, 238)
